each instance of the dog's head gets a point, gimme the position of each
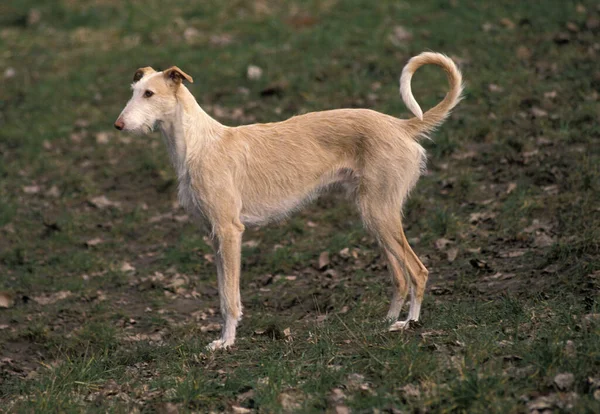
(154, 97)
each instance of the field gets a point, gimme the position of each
(108, 293)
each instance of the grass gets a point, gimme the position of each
(114, 304)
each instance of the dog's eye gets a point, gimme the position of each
(148, 94)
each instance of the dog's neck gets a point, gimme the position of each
(187, 128)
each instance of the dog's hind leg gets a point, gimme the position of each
(400, 284)
(386, 225)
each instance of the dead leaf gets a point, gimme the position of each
(440, 290)
(222, 39)
(564, 381)
(538, 112)
(182, 218)
(442, 243)
(590, 318)
(323, 260)
(191, 34)
(160, 217)
(53, 192)
(495, 88)
(551, 189)
(481, 216)
(487, 26)
(341, 409)
(31, 189)
(337, 396)
(34, 17)
(291, 400)
(592, 23)
(506, 22)
(127, 267)
(300, 21)
(7, 300)
(400, 36)
(236, 409)
(451, 254)
(523, 53)
(103, 202)
(570, 350)
(543, 240)
(102, 138)
(82, 123)
(562, 38)
(94, 242)
(511, 187)
(411, 391)
(345, 253)
(48, 299)
(211, 327)
(513, 253)
(154, 337)
(480, 264)
(553, 268)
(254, 72)
(251, 243)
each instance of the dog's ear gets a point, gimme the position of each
(141, 72)
(176, 75)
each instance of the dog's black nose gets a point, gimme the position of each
(119, 124)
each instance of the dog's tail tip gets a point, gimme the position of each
(435, 116)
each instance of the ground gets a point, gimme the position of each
(108, 292)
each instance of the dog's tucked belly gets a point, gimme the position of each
(261, 211)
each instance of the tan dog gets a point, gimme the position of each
(235, 176)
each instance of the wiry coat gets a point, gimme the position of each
(234, 176)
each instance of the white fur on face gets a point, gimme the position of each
(141, 113)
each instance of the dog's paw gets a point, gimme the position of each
(219, 344)
(399, 326)
(404, 325)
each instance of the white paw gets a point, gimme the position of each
(399, 326)
(219, 344)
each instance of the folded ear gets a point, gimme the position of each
(141, 72)
(176, 75)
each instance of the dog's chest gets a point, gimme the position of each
(186, 195)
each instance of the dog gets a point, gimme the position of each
(232, 177)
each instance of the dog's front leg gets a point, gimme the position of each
(228, 244)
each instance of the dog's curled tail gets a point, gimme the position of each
(427, 122)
